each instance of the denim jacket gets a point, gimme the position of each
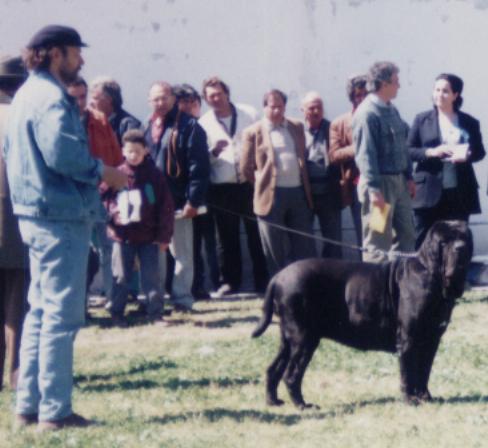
(380, 136)
(50, 171)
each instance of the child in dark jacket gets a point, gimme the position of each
(141, 224)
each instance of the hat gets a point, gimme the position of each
(185, 91)
(12, 68)
(56, 35)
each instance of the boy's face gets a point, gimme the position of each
(134, 153)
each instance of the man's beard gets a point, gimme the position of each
(68, 76)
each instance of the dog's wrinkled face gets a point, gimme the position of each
(447, 250)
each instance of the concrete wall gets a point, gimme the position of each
(295, 45)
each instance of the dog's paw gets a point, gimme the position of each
(305, 406)
(274, 402)
(412, 400)
(425, 396)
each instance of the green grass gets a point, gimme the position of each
(199, 384)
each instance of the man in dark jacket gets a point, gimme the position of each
(178, 146)
(14, 262)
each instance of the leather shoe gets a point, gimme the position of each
(200, 294)
(23, 420)
(71, 421)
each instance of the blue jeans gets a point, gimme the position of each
(58, 253)
(123, 259)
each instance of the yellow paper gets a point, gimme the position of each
(378, 218)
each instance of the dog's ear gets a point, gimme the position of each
(456, 256)
(430, 252)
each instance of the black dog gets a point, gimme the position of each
(401, 306)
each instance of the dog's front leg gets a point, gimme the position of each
(408, 355)
(426, 359)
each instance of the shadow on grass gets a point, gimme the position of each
(177, 383)
(172, 384)
(126, 385)
(477, 398)
(467, 300)
(143, 366)
(243, 415)
(219, 310)
(226, 322)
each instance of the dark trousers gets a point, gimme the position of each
(329, 216)
(204, 238)
(233, 202)
(14, 284)
(289, 209)
(450, 206)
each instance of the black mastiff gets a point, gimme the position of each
(401, 306)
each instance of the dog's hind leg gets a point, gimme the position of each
(302, 350)
(275, 372)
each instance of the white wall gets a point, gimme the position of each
(295, 45)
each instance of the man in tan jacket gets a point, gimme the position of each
(273, 159)
(342, 152)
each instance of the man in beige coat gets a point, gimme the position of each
(273, 159)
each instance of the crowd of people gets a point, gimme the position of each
(173, 191)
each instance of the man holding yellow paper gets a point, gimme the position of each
(380, 136)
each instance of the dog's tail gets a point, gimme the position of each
(267, 310)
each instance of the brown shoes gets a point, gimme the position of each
(21, 420)
(71, 421)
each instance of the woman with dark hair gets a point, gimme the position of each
(443, 143)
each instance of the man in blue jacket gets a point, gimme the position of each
(53, 185)
(178, 146)
(380, 137)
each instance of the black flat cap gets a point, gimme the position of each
(12, 68)
(56, 35)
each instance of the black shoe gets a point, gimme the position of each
(200, 294)
(181, 308)
(119, 322)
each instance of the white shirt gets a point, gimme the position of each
(286, 161)
(225, 167)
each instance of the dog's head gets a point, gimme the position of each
(446, 252)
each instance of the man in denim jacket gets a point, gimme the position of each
(53, 185)
(380, 136)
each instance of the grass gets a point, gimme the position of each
(199, 383)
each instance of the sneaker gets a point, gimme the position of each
(71, 421)
(225, 290)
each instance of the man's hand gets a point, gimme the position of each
(114, 178)
(163, 247)
(189, 211)
(411, 188)
(441, 152)
(219, 147)
(376, 198)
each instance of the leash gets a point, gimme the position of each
(389, 254)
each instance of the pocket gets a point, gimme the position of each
(419, 178)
